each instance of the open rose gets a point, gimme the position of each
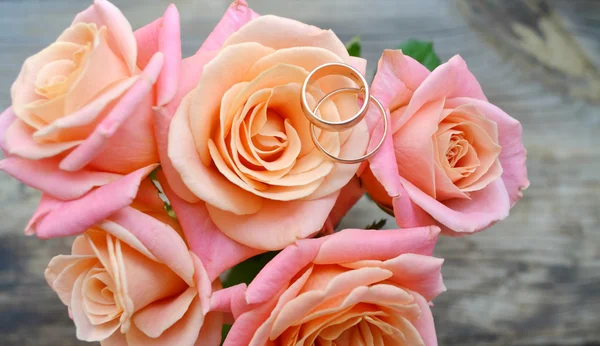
(131, 280)
(354, 287)
(240, 142)
(82, 107)
(452, 157)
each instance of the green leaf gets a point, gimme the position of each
(377, 224)
(353, 46)
(247, 270)
(224, 332)
(422, 51)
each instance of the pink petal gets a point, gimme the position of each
(216, 251)
(425, 324)
(121, 37)
(245, 326)
(281, 269)
(128, 104)
(352, 245)
(230, 300)
(56, 218)
(44, 175)
(349, 195)
(162, 35)
(6, 119)
(513, 156)
(159, 238)
(162, 123)
(234, 18)
(485, 207)
(18, 140)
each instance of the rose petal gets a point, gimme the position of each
(6, 119)
(349, 195)
(236, 16)
(55, 218)
(513, 156)
(288, 222)
(121, 37)
(45, 176)
(19, 141)
(98, 140)
(216, 251)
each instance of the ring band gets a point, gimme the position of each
(361, 158)
(339, 69)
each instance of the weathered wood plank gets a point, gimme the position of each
(533, 279)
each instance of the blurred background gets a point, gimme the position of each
(533, 279)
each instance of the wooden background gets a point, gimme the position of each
(533, 279)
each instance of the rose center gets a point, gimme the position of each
(99, 301)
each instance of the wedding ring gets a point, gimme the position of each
(363, 157)
(339, 69)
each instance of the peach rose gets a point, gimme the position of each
(240, 142)
(452, 158)
(131, 280)
(352, 287)
(82, 107)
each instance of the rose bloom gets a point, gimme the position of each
(453, 158)
(131, 280)
(239, 140)
(82, 107)
(352, 287)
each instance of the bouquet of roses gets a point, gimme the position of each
(204, 192)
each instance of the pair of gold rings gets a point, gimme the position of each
(345, 70)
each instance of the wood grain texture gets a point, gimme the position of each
(533, 279)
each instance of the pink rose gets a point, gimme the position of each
(452, 158)
(352, 287)
(82, 107)
(131, 280)
(239, 141)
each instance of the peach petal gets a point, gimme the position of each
(354, 245)
(91, 80)
(148, 200)
(236, 16)
(98, 140)
(343, 173)
(295, 310)
(63, 271)
(19, 141)
(278, 33)
(45, 176)
(157, 317)
(415, 272)
(86, 331)
(121, 37)
(87, 115)
(137, 228)
(288, 220)
(116, 339)
(203, 237)
(513, 155)
(56, 218)
(210, 334)
(218, 76)
(205, 182)
(183, 332)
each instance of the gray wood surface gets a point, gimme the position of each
(533, 279)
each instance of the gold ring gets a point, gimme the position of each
(341, 70)
(361, 158)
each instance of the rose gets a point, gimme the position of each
(367, 287)
(82, 107)
(239, 140)
(453, 158)
(131, 280)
